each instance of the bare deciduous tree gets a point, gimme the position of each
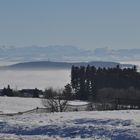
(55, 100)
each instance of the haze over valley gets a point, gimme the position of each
(69, 70)
(50, 66)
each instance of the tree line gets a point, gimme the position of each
(8, 91)
(88, 81)
(91, 84)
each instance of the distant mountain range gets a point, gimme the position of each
(66, 54)
(60, 65)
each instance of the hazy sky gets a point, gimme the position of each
(82, 23)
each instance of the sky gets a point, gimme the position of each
(86, 24)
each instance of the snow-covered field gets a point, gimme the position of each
(93, 125)
(17, 104)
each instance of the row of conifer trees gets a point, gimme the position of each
(87, 81)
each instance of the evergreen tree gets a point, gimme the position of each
(36, 93)
(8, 91)
(86, 81)
(68, 91)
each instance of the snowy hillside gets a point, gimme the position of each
(93, 125)
(112, 125)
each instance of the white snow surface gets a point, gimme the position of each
(17, 104)
(77, 102)
(90, 125)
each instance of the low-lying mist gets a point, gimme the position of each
(19, 79)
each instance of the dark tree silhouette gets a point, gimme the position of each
(8, 91)
(36, 93)
(86, 81)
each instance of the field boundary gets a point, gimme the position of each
(35, 110)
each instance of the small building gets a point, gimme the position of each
(30, 92)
